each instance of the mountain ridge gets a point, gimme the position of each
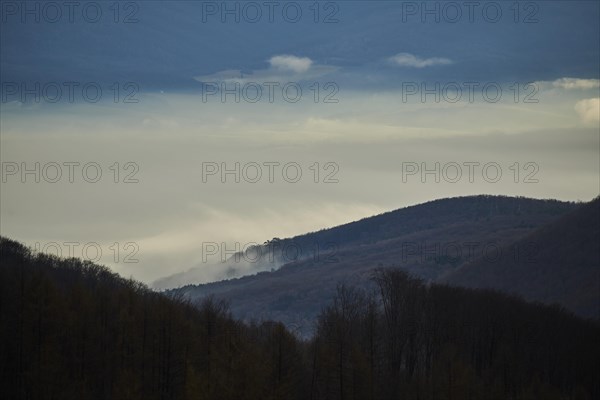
(408, 238)
(357, 231)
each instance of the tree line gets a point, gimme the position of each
(70, 329)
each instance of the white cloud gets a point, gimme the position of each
(574, 83)
(570, 84)
(589, 110)
(291, 63)
(282, 68)
(410, 60)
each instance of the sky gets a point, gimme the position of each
(136, 133)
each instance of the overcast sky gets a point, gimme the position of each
(386, 91)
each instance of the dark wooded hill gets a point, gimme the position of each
(560, 263)
(72, 330)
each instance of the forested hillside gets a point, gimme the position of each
(427, 240)
(379, 239)
(74, 330)
(564, 267)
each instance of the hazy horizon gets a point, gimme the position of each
(187, 91)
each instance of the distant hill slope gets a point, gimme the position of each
(503, 217)
(561, 266)
(427, 240)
